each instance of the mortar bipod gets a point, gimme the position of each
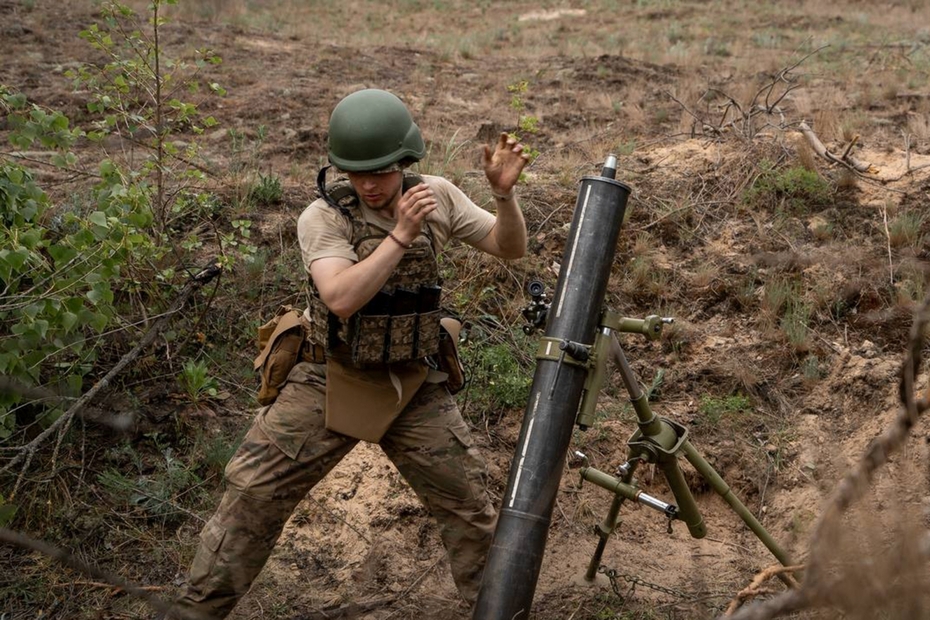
(659, 441)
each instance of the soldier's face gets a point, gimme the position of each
(378, 191)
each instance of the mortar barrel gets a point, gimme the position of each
(516, 553)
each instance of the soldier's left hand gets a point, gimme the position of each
(504, 164)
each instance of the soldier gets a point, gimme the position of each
(369, 246)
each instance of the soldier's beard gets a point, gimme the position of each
(381, 204)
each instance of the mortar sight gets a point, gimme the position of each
(537, 311)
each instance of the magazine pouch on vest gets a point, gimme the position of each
(281, 341)
(401, 323)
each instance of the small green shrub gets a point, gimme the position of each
(216, 451)
(795, 190)
(795, 324)
(716, 408)
(654, 391)
(498, 379)
(268, 190)
(744, 290)
(155, 494)
(526, 123)
(810, 368)
(904, 230)
(196, 381)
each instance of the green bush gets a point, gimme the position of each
(716, 408)
(795, 190)
(267, 191)
(498, 378)
(59, 270)
(71, 273)
(134, 96)
(156, 493)
(196, 381)
(795, 323)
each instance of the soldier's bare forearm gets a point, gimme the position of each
(346, 288)
(510, 229)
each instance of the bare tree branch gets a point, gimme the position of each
(754, 589)
(17, 539)
(816, 589)
(116, 421)
(743, 124)
(846, 160)
(28, 451)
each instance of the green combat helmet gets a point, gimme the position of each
(370, 130)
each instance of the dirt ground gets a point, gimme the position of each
(653, 82)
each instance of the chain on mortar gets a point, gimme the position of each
(615, 576)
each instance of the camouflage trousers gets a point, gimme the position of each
(288, 450)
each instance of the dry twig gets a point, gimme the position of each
(755, 589)
(818, 584)
(107, 586)
(27, 452)
(766, 101)
(118, 422)
(888, 245)
(25, 542)
(350, 610)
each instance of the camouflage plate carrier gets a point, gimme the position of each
(401, 323)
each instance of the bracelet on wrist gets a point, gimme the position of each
(503, 196)
(406, 246)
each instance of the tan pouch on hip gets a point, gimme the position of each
(364, 403)
(281, 341)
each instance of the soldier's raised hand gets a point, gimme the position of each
(504, 163)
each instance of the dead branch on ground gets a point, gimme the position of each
(159, 604)
(350, 610)
(818, 584)
(846, 159)
(765, 102)
(116, 421)
(27, 452)
(116, 589)
(755, 588)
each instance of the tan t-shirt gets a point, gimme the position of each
(324, 232)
